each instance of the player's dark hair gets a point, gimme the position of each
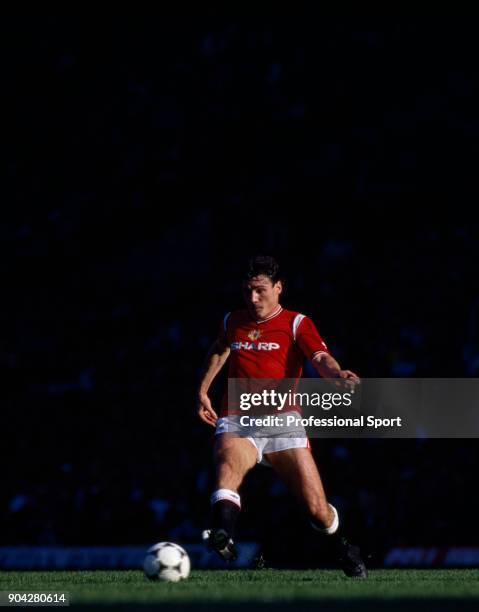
(264, 264)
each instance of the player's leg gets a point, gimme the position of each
(297, 468)
(234, 457)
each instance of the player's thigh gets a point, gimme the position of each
(234, 454)
(298, 470)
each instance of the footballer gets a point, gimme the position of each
(289, 337)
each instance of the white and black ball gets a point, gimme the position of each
(167, 561)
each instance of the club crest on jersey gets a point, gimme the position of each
(255, 334)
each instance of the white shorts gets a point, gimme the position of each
(263, 445)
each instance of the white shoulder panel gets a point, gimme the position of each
(296, 321)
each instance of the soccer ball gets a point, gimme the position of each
(166, 561)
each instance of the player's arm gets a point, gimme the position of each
(314, 347)
(215, 360)
(327, 367)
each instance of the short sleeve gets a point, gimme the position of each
(308, 338)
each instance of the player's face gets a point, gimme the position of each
(261, 296)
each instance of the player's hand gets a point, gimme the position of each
(205, 410)
(352, 379)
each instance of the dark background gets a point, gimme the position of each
(147, 159)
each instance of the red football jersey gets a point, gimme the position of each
(273, 348)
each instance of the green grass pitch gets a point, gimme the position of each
(266, 590)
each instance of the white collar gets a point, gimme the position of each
(278, 311)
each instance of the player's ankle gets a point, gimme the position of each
(328, 527)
